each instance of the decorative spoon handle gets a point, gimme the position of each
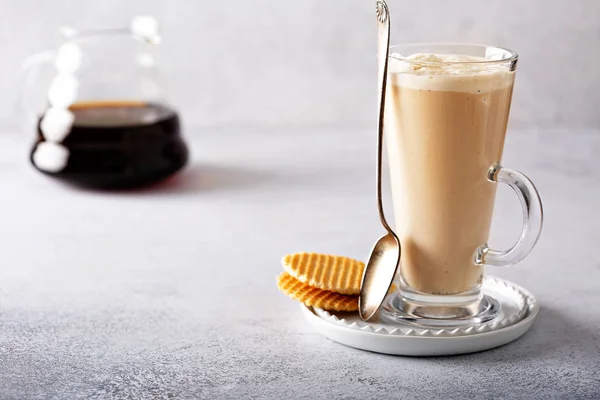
(383, 49)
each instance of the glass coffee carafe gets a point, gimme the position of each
(99, 109)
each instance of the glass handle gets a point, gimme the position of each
(533, 216)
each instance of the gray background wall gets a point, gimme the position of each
(268, 62)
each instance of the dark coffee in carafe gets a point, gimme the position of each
(115, 144)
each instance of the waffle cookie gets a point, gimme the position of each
(312, 296)
(332, 273)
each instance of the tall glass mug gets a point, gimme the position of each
(447, 108)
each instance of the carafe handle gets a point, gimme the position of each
(30, 71)
(533, 216)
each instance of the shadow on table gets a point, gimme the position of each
(197, 178)
(202, 178)
(553, 334)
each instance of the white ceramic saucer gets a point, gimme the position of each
(518, 309)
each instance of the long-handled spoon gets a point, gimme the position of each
(385, 256)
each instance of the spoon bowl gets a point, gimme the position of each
(382, 263)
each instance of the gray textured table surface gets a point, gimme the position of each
(170, 293)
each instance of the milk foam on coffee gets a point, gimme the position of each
(445, 120)
(448, 72)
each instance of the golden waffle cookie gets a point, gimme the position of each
(314, 297)
(333, 273)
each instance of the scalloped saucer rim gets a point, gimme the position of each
(429, 344)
